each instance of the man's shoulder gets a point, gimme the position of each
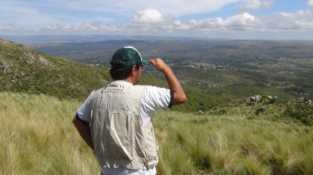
(142, 86)
(155, 97)
(148, 86)
(95, 93)
(145, 88)
(151, 90)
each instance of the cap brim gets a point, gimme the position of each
(144, 61)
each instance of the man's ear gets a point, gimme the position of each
(133, 72)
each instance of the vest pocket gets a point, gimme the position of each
(123, 134)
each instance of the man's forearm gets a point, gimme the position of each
(84, 131)
(178, 94)
(174, 85)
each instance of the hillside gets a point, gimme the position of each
(25, 70)
(37, 137)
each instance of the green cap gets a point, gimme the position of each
(126, 57)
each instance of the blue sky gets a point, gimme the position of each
(291, 19)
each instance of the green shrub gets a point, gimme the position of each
(300, 111)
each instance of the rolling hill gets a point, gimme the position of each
(25, 70)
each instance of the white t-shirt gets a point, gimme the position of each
(154, 98)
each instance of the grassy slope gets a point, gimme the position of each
(37, 137)
(24, 70)
(232, 144)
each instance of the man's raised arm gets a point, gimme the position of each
(178, 94)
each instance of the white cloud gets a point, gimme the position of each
(33, 15)
(85, 27)
(311, 2)
(243, 21)
(301, 20)
(172, 7)
(149, 16)
(297, 22)
(186, 7)
(141, 16)
(256, 4)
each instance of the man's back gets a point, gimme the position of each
(120, 138)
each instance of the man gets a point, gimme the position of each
(115, 121)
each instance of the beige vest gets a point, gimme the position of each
(119, 138)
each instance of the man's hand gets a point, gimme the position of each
(159, 64)
(178, 94)
(83, 130)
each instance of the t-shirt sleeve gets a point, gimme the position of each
(84, 111)
(155, 98)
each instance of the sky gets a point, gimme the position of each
(259, 19)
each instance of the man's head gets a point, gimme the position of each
(127, 63)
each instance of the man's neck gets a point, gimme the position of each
(130, 80)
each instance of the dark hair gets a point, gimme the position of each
(118, 73)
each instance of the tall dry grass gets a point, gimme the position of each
(37, 137)
(233, 144)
